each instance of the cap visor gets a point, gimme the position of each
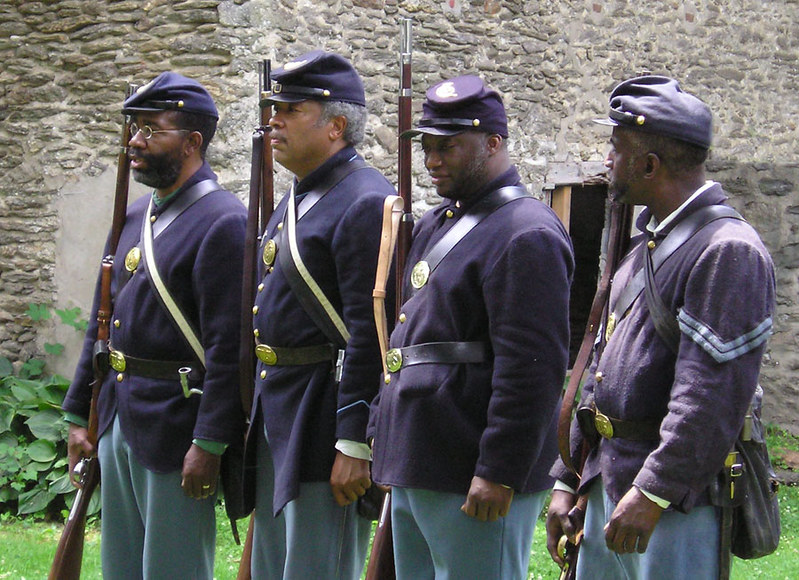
(129, 110)
(283, 98)
(440, 131)
(607, 122)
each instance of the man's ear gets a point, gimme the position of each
(652, 165)
(494, 143)
(192, 143)
(337, 127)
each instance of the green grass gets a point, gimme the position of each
(27, 549)
(28, 546)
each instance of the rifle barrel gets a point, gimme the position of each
(404, 151)
(122, 182)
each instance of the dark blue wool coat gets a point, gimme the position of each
(305, 410)
(506, 283)
(200, 258)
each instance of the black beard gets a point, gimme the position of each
(161, 172)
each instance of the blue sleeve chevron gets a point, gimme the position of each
(715, 346)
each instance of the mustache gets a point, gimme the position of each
(136, 154)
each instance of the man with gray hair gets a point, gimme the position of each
(318, 356)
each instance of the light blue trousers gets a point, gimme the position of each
(683, 546)
(150, 528)
(313, 537)
(434, 539)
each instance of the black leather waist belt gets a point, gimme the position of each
(302, 355)
(436, 352)
(153, 369)
(611, 428)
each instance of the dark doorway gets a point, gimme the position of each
(586, 223)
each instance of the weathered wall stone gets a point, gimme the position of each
(66, 63)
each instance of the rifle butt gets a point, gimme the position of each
(69, 552)
(246, 555)
(381, 558)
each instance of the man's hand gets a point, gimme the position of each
(486, 500)
(632, 523)
(200, 472)
(559, 523)
(78, 447)
(349, 479)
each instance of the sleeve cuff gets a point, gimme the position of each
(354, 449)
(662, 503)
(214, 447)
(76, 419)
(560, 486)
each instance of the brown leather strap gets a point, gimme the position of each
(393, 208)
(620, 216)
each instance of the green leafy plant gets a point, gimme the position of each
(33, 465)
(34, 476)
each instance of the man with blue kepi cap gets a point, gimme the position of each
(677, 363)
(464, 426)
(167, 410)
(315, 338)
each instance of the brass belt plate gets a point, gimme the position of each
(117, 360)
(603, 425)
(394, 360)
(266, 355)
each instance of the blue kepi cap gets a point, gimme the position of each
(461, 104)
(319, 76)
(170, 91)
(657, 104)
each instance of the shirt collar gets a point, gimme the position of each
(654, 227)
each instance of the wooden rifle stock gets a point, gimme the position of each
(69, 552)
(381, 558)
(260, 207)
(618, 242)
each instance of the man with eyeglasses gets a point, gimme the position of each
(162, 433)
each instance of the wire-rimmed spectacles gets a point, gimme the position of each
(147, 132)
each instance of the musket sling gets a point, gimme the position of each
(151, 231)
(307, 291)
(681, 233)
(468, 221)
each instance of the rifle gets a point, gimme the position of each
(69, 553)
(618, 240)
(381, 558)
(260, 207)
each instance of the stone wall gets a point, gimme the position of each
(66, 63)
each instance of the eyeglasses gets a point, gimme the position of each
(147, 132)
